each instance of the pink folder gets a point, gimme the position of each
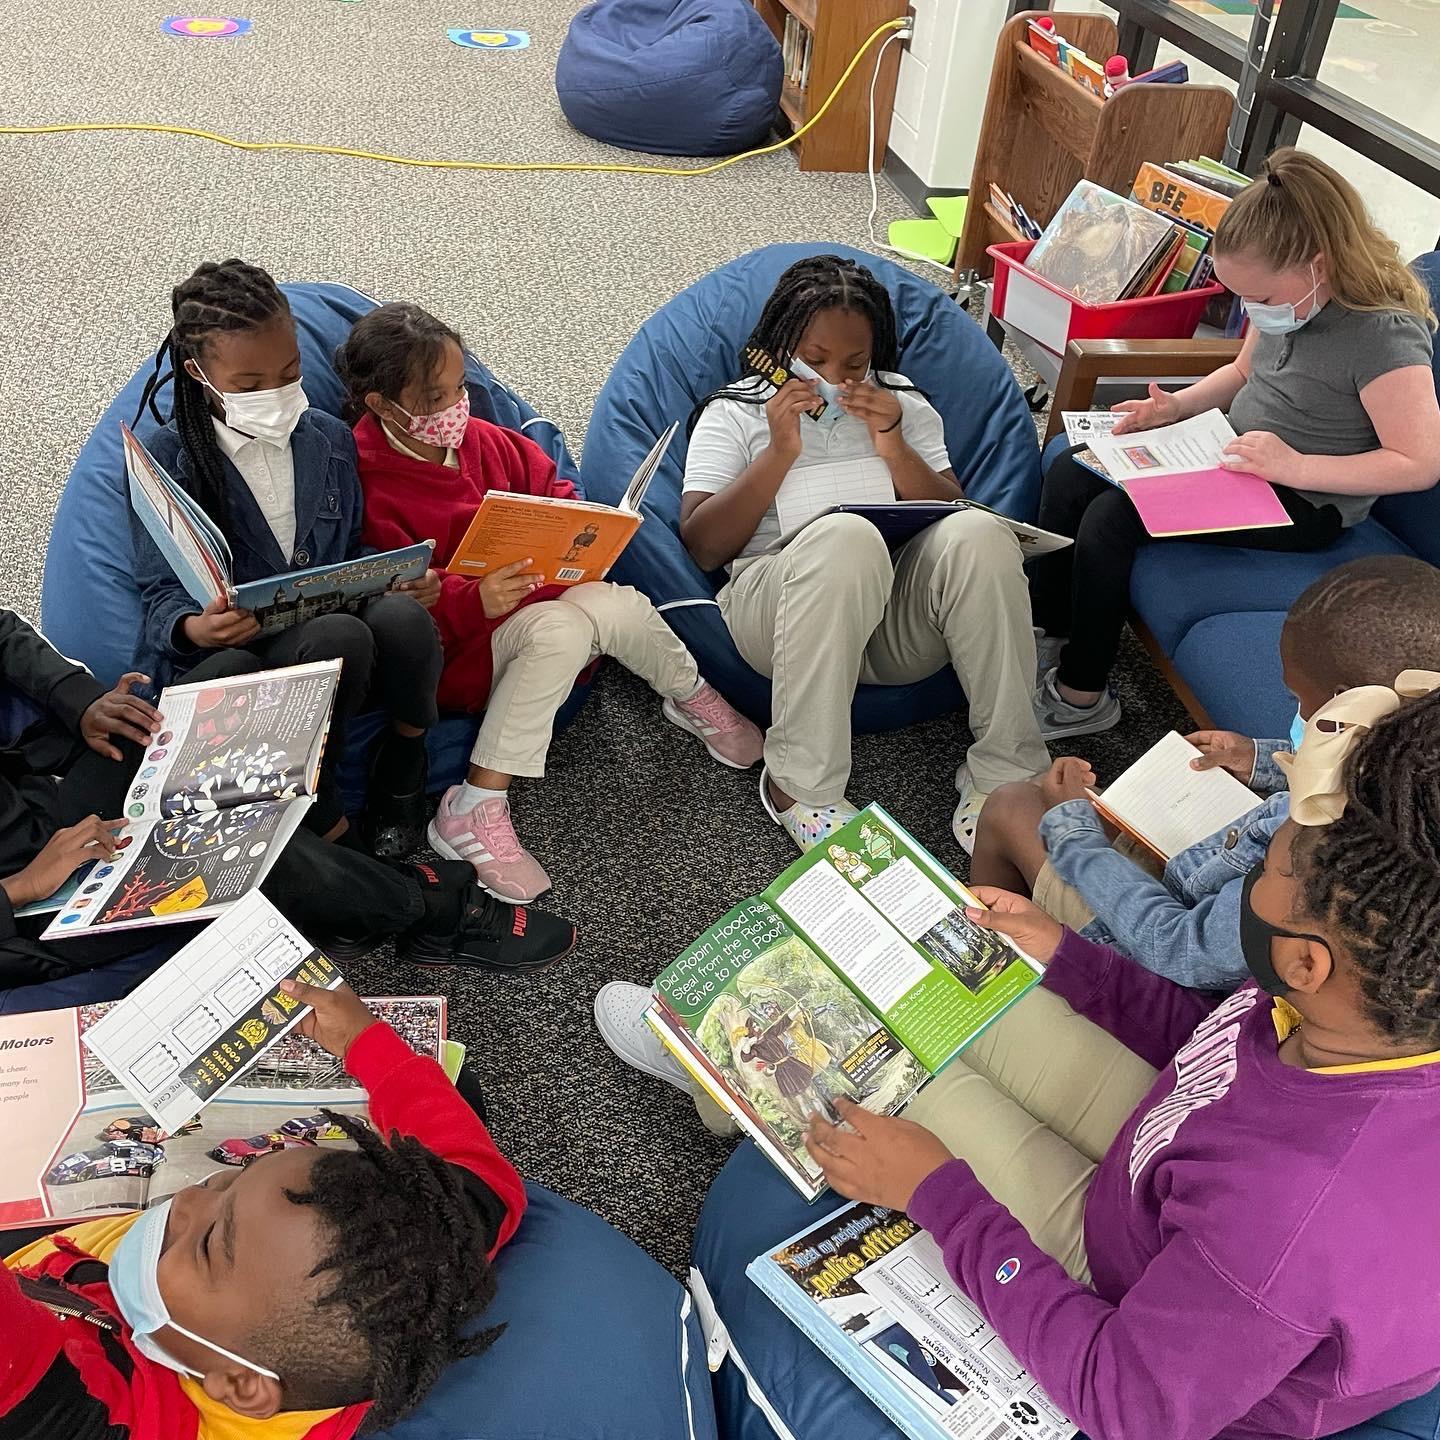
(1205, 502)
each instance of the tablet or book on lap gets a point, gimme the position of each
(855, 975)
(902, 520)
(200, 556)
(219, 792)
(569, 541)
(869, 1288)
(80, 1146)
(1168, 807)
(1175, 479)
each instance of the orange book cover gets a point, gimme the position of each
(1166, 193)
(570, 541)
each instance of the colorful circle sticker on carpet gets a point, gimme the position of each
(490, 39)
(205, 27)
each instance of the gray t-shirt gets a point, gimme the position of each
(1305, 387)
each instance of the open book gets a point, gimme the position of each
(869, 1288)
(200, 556)
(856, 974)
(901, 520)
(220, 791)
(80, 1146)
(1175, 480)
(570, 541)
(1168, 807)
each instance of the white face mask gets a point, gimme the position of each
(1282, 319)
(828, 392)
(135, 1283)
(268, 415)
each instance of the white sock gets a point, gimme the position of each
(470, 796)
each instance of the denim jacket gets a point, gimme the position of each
(1186, 925)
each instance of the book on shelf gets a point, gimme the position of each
(570, 541)
(219, 792)
(856, 974)
(1100, 244)
(82, 1146)
(1166, 806)
(1175, 479)
(901, 520)
(199, 554)
(869, 1288)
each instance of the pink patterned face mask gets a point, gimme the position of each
(445, 428)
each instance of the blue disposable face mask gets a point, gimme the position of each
(1281, 319)
(135, 1284)
(1297, 731)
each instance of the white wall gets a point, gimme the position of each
(940, 94)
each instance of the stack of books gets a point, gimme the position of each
(798, 45)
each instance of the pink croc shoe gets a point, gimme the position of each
(486, 839)
(724, 732)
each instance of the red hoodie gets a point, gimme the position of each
(409, 500)
(69, 1377)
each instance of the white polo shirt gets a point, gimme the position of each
(731, 434)
(269, 473)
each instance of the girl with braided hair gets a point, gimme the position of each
(1218, 1218)
(280, 481)
(834, 607)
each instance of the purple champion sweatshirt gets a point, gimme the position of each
(1264, 1241)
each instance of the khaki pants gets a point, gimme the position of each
(1032, 1105)
(831, 610)
(540, 649)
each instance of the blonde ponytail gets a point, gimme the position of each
(1299, 208)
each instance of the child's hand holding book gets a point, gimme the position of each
(1158, 408)
(1035, 932)
(1224, 750)
(337, 1017)
(879, 1159)
(505, 588)
(218, 627)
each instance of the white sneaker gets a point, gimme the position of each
(806, 825)
(1047, 654)
(620, 1018)
(966, 820)
(1058, 719)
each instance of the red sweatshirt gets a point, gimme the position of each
(69, 1377)
(409, 500)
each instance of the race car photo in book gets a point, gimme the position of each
(219, 792)
(857, 974)
(200, 556)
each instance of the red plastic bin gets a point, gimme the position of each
(1054, 317)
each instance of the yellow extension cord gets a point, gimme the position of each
(305, 148)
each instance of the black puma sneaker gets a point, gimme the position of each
(507, 939)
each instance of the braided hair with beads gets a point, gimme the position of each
(819, 282)
(1372, 877)
(227, 295)
(408, 1240)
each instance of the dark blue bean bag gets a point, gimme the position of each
(689, 347)
(674, 77)
(90, 604)
(600, 1344)
(772, 1366)
(1195, 598)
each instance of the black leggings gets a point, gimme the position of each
(390, 654)
(1082, 593)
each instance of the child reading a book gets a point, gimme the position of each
(311, 1292)
(426, 464)
(1202, 1220)
(1332, 397)
(68, 755)
(279, 480)
(833, 607)
(1361, 624)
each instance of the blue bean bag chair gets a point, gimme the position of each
(674, 77)
(1196, 598)
(690, 346)
(90, 605)
(775, 1385)
(600, 1344)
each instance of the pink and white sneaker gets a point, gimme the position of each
(725, 733)
(485, 838)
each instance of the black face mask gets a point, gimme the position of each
(1257, 937)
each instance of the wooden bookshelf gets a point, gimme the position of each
(1043, 131)
(839, 28)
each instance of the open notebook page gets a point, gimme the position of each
(1171, 806)
(813, 489)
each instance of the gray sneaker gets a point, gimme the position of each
(1047, 654)
(1059, 719)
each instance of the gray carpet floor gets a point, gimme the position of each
(548, 275)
